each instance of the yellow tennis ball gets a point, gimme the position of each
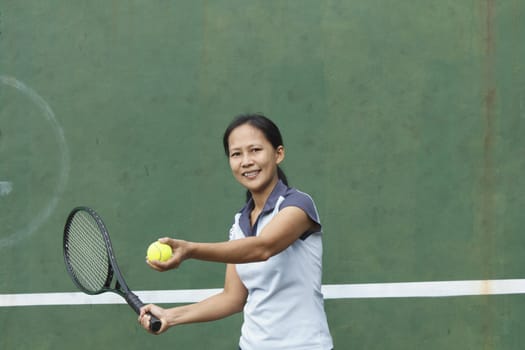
(159, 251)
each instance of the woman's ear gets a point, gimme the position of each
(279, 154)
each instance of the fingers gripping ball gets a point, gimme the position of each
(159, 251)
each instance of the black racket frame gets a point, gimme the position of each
(120, 287)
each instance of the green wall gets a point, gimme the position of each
(405, 121)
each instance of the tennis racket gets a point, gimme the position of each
(90, 260)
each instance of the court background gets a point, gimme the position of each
(404, 120)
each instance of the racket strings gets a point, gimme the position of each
(86, 249)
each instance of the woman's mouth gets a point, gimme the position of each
(251, 174)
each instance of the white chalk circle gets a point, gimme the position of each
(36, 154)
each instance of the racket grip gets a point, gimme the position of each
(154, 323)
(136, 304)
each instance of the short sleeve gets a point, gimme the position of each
(303, 201)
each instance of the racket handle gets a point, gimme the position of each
(154, 323)
(136, 304)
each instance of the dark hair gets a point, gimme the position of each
(266, 126)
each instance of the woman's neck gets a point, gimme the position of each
(260, 198)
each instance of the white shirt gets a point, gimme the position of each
(285, 306)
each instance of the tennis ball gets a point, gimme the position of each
(159, 251)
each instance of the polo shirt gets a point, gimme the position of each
(285, 306)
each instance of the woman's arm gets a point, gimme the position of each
(284, 229)
(230, 301)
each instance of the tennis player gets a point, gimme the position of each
(273, 255)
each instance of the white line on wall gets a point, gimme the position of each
(436, 289)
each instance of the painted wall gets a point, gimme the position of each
(404, 120)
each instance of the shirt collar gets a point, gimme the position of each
(244, 221)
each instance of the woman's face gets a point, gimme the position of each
(253, 159)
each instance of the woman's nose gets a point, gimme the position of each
(246, 160)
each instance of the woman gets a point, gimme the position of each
(273, 256)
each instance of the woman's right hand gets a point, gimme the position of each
(145, 317)
(180, 252)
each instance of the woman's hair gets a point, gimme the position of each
(263, 124)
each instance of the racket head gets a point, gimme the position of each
(87, 250)
(90, 262)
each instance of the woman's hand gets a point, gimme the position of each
(180, 252)
(145, 318)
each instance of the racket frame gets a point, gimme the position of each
(120, 286)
